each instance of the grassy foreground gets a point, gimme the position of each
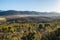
(30, 31)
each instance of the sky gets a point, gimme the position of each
(31, 5)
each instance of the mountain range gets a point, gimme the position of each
(33, 16)
(13, 12)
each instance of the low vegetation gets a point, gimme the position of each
(29, 31)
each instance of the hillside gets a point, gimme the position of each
(30, 16)
(13, 12)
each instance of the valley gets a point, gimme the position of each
(25, 25)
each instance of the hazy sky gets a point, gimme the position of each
(31, 5)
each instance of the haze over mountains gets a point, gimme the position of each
(13, 12)
(30, 16)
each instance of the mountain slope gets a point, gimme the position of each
(13, 12)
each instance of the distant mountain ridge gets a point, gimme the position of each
(13, 12)
(1, 11)
(30, 16)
